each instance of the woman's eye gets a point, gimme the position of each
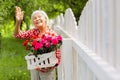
(35, 18)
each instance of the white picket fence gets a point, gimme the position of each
(91, 49)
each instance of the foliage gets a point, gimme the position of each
(52, 7)
(76, 6)
(6, 10)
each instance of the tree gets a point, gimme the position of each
(52, 7)
(76, 5)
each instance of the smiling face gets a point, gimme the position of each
(39, 20)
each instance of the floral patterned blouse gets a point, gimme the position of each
(27, 34)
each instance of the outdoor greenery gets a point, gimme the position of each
(12, 53)
(52, 8)
(12, 62)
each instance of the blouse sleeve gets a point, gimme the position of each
(58, 56)
(22, 34)
(27, 34)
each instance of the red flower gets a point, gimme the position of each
(34, 43)
(25, 43)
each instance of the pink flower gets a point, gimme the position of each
(59, 38)
(54, 41)
(43, 41)
(38, 46)
(47, 44)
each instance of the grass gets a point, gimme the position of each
(12, 57)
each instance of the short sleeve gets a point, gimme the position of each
(27, 34)
(58, 56)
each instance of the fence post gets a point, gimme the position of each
(65, 70)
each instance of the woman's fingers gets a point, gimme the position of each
(19, 14)
(38, 68)
(18, 10)
(42, 69)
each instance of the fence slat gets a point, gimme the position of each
(117, 34)
(67, 73)
(111, 32)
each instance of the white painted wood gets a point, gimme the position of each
(104, 33)
(94, 35)
(61, 20)
(102, 69)
(81, 27)
(75, 64)
(66, 21)
(60, 71)
(96, 45)
(90, 74)
(67, 66)
(90, 37)
(111, 32)
(70, 23)
(98, 27)
(117, 34)
(79, 68)
(58, 20)
(86, 27)
(62, 67)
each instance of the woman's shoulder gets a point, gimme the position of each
(50, 31)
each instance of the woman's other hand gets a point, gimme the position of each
(45, 69)
(42, 69)
(19, 14)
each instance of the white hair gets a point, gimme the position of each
(41, 12)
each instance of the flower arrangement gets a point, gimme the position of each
(43, 45)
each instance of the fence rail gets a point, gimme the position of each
(91, 49)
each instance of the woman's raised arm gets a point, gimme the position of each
(19, 18)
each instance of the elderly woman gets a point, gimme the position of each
(40, 21)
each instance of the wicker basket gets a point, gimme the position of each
(44, 60)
